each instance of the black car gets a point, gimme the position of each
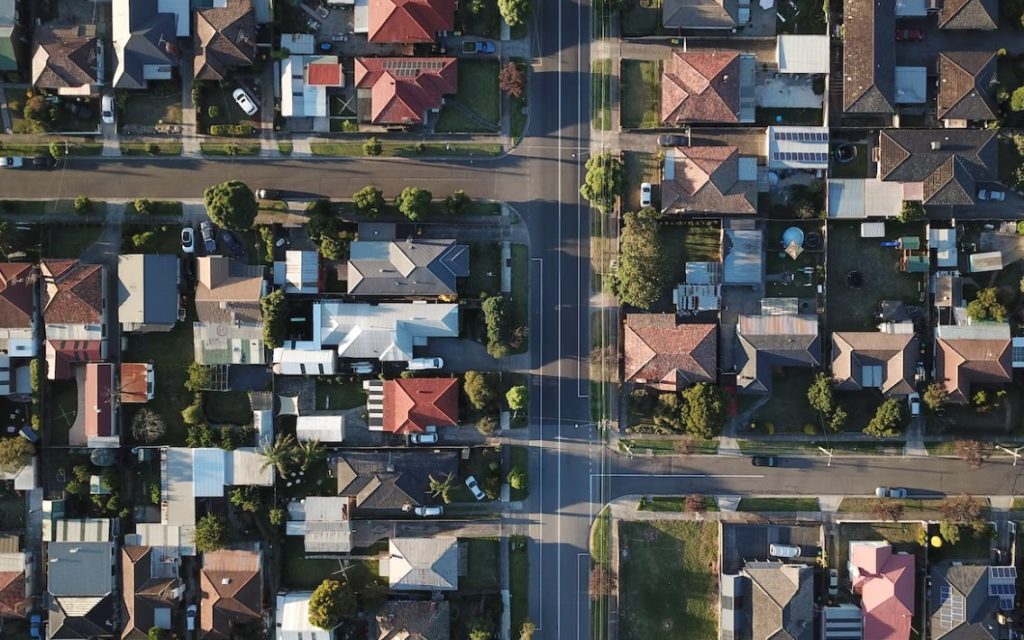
(671, 140)
(232, 244)
(764, 461)
(44, 162)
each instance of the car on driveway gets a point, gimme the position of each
(11, 162)
(44, 162)
(671, 140)
(833, 582)
(209, 239)
(994, 196)
(764, 461)
(35, 629)
(423, 438)
(914, 400)
(474, 488)
(235, 247)
(244, 101)
(478, 46)
(909, 35)
(107, 109)
(890, 492)
(190, 617)
(645, 194)
(188, 240)
(783, 550)
(428, 512)
(420, 364)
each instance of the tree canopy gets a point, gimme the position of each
(414, 203)
(643, 266)
(231, 204)
(986, 306)
(479, 389)
(704, 410)
(604, 181)
(820, 396)
(514, 12)
(211, 533)
(517, 397)
(511, 80)
(888, 419)
(15, 453)
(911, 211)
(330, 602)
(497, 322)
(369, 201)
(934, 396)
(274, 312)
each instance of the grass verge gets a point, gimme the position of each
(778, 504)
(518, 582)
(673, 504)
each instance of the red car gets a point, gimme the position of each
(914, 35)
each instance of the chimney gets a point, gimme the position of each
(936, 145)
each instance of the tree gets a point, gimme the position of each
(934, 396)
(527, 630)
(887, 509)
(231, 204)
(604, 181)
(148, 426)
(200, 377)
(373, 147)
(441, 488)
(518, 478)
(695, 503)
(309, 452)
(887, 419)
(143, 206)
(950, 532)
(970, 451)
(274, 317)
(479, 389)
(246, 498)
(83, 204)
(668, 412)
(455, 203)
(1017, 99)
(986, 306)
(333, 248)
(480, 631)
(278, 516)
(193, 414)
(704, 410)
(211, 533)
(15, 453)
(962, 509)
(643, 265)
(280, 454)
(512, 81)
(518, 397)
(496, 319)
(369, 201)
(837, 420)
(820, 396)
(487, 425)
(911, 211)
(514, 12)
(414, 203)
(156, 633)
(602, 581)
(330, 602)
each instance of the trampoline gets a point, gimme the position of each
(845, 153)
(854, 279)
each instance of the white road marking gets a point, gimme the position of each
(675, 475)
(539, 444)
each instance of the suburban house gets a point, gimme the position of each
(870, 360)
(971, 600)
(885, 582)
(226, 38)
(409, 21)
(403, 91)
(324, 522)
(230, 320)
(705, 15)
(869, 76)
(138, 382)
(980, 15)
(707, 86)
(387, 332)
(147, 292)
(299, 273)
(769, 343)
(391, 482)
(74, 313)
(966, 87)
(67, 59)
(699, 181)
(145, 42)
(306, 80)
(666, 355)
(18, 310)
(150, 590)
(419, 619)
(406, 268)
(412, 405)
(100, 420)
(768, 601)
(291, 620)
(940, 166)
(80, 589)
(11, 35)
(231, 588)
(969, 354)
(421, 564)
(15, 586)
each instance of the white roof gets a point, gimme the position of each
(299, 273)
(293, 618)
(177, 488)
(14, 561)
(802, 53)
(858, 198)
(166, 536)
(297, 362)
(326, 508)
(386, 332)
(322, 428)
(798, 147)
(988, 261)
(944, 243)
(299, 43)
(208, 473)
(361, 16)
(911, 85)
(981, 331)
(247, 466)
(263, 421)
(24, 478)
(299, 99)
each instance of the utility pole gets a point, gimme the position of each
(1013, 452)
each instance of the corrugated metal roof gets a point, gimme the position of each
(853, 198)
(247, 466)
(802, 53)
(322, 428)
(177, 487)
(208, 473)
(80, 568)
(293, 618)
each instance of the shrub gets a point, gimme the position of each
(143, 206)
(487, 425)
(232, 130)
(213, 111)
(83, 204)
(480, 389)
(274, 317)
(518, 478)
(193, 413)
(373, 147)
(496, 319)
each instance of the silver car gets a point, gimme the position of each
(428, 512)
(244, 101)
(474, 488)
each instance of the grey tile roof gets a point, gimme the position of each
(869, 76)
(387, 482)
(406, 268)
(147, 289)
(782, 604)
(79, 568)
(968, 582)
(64, 56)
(699, 14)
(413, 620)
(423, 564)
(153, 40)
(768, 342)
(969, 14)
(947, 162)
(965, 85)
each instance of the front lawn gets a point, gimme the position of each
(161, 148)
(601, 94)
(479, 93)
(159, 104)
(484, 464)
(518, 581)
(149, 239)
(930, 508)
(484, 278)
(334, 396)
(517, 106)
(70, 242)
(217, 107)
(787, 409)
(668, 580)
(664, 447)
(778, 504)
(479, 19)
(641, 18)
(483, 572)
(640, 93)
(520, 303)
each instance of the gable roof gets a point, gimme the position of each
(14, 600)
(701, 86)
(874, 360)
(134, 383)
(17, 283)
(885, 582)
(412, 404)
(143, 37)
(965, 587)
(700, 14)
(226, 38)
(413, 620)
(946, 162)
(969, 14)
(147, 584)
(663, 353)
(386, 332)
(100, 412)
(768, 342)
(64, 56)
(393, 480)
(965, 85)
(699, 180)
(980, 354)
(409, 21)
(72, 292)
(782, 606)
(406, 268)
(147, 291)
(402, 90)
(869, 72)
(231, 583)
(61, 354)
(423, 564)
(228, 291)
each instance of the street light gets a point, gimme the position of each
(1013, 452)
(827, 452)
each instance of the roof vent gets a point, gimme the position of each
(936, 145)
(225, 580)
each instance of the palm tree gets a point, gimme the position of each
(280, 454)
(442, 488)
(309, 453)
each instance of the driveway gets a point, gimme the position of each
(742, 542)
(462, 354)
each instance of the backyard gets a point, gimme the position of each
(336, 395)
(307, 573)
(62, 401)
(787, 277)
(857, 167)
(639, 93)
(801, 16)
(479, 94)
(227, 407)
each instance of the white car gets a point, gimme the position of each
(914, 400)
(11, 162)
(893, 492)
(645, 194)
(107, 109)
(188, 240)
(362, 368)
(190, 617)
(424, 438)
(474, 488)
(833, 582)
(428, 512)
(244, 101)
(784, 550)
(420, 364)
(995, 196)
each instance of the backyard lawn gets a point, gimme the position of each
(787, 116)
(160, 103)
(478, 92)
(690, 241)
(332, 395)
(302, 573)
(227, 407)
(62, 401)
(668, 580)
(639, 93)
(855, 168)
(483, 571)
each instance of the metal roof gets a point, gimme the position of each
(208, 473)
(80, 568)
(292, 620)
(322, 428)
(857, 199)
(802, 53)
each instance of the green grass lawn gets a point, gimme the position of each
(334, 396)
(787, 409)
(70, 242)
(601, 94)
(148, 239)
(640, 93)
(912, 507)
(62, 400)
(518, 581)
(902, 535)
(159, 103)
(600, 537)
(37, 149)
(227, 407)
(641, 18)
(778, 504)
(483, 566)
(660, 447)
(301, 573)
(673, 504)
(519, 456)
(856, 168)
(520, 308)
(353, 149)
(802, 16)
(478, 91)
(485, 273)
(517, 106)
(285, 148)
(668, 580)
(690, 241)
(151, 148)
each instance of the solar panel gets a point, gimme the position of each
(1002, 572)
(952, 607)
(1001, 590)
(1006, 604)
(1018, 354)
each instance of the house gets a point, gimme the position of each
(306, 79)
(150, 590)
(299, 273)
(74, 314)
(138, 382)
(780, 602)
(938, 167)
(772, 342)
(412, 405)
(885, 582)
(388, 483)
(11, 34)
(704, 15)
(231, 584)
(841, 622)
(870, 360)
(980, 15)
(67, 59)
(292, 618)
(101, 424)
(15, 585)
(707, 86)
(324, 522)
(79, 590)
(422, 564)
(230, 320)
(226, 38)
(57, 528)
(409, 21)
(145, 43)
(666, 355)
(869, 71)
(966, 87)
(943, 242)
(422, 620)
(707, 181)
(18, 309)
(406, 268)
(147, 292)
(387, 332)
(967, 600)
(402, 91)
(969, 354)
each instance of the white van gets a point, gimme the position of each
(420, 364)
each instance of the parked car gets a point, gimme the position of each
(35, 629)
(188, 240)
(428, 512)
(11, 162)
(235, 247)
(478, 46)
(783, 550)
(207, 231)
(244, 101)
(44, 162)
(268, 194)
(362, 368)
(890, 492)
(474, 488)
(989, 195)
(645, 194)
(190, 617)
(424, 438)
(908, 35)
(671, 140)
(419, 364)
(764, 461)
(833, 582)
(107, 109)
(914, 400)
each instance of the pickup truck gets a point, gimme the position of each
(478, 46)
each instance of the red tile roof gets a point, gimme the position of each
(99, 382)
(13, 603)
(134, 385)
(61, 354)
(326, 74)
(409, 21)
(886, 585)
(403, 89)
(72, 292)
(411, 404)
(961, 362)
(667, 355)
(701, 87)
(231, 585)
(16, 295)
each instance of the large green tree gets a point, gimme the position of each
(934, 396)
(517, 398)
(703, 411)
(369, 201)
(330, 602)
(498, 330)
(514, 12)
(211, 533)
(604, 181)
(643, 266)
(274, 318)
(888, 419)
(479, 389)
(820, 396)
(231, 204)
(414, 203)
(986, 306)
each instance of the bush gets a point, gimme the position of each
(373, 147)
(35, 373)
(455, 203)
(232, 130)
(888, 419)
(414, 203)
(83, 204)
(496, 319)
(193, 414)
(695, 503)
(518, 478)
(480, 389)
(274, 317)
(332, 248)
(213, 111)
(143, 206)
(211, 533)
(487, 425)
(1017, 99)
(911, 212)
(152, 148)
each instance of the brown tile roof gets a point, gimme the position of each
(64, 56)
(969, 14)
(855, 353)
(700, 180)
(228, 291)
(13, 601)
(17, 282)
(413, 620)
(667, 355)
(409, 21)
(227, 38)
(403, 89)
(869, 76)
(231, 585)
(134, 385)
(965, 91)
(142, 593)
(701, 86)
(412, 404)
(963, 362)
(72, 292)
(947, 163)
